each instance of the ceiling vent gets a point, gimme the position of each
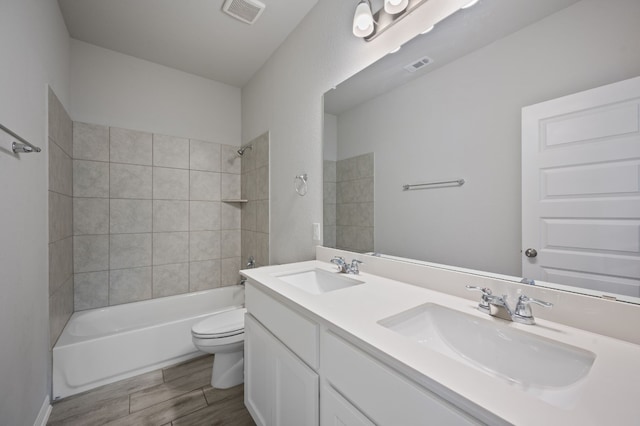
(418, 64)
(247, 11)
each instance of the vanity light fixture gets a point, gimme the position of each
(428, 30)
(395, 6)
(468, 5)
(368, 24)
(363, 20)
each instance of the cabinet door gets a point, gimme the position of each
(257, 372)
(337, 411)
(296, 390)
(280, 389)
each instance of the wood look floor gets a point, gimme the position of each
(180, 395)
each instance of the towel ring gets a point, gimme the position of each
(300, 184)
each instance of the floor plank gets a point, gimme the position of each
(95, 414)
(188, 367)
(87, 401)
(231, 413)
(165, 391)
(164, 412)
(216, 396)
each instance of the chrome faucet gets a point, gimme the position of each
(343, 268)
(498, 306)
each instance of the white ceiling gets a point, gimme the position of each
(194, 36)
(462, 33)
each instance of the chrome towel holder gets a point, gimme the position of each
(20, 147)
(456, 182)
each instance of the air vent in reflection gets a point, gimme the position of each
(418, 64)
(247, 11)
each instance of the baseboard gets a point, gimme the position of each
(43, 415)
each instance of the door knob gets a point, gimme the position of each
(530, 252)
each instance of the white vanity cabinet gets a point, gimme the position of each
(280, 388)
(382, 394)
(287, 356)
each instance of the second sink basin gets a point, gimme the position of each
(318, 281)
(494, 347)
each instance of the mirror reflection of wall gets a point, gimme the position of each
(463, 120)
(348, 196)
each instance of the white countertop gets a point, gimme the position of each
(609, 394)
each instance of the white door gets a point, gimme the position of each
(581, 189)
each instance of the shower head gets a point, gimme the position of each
(241, 150)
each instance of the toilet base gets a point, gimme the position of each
(228, 370)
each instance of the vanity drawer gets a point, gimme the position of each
(297, 332)
(382, 394)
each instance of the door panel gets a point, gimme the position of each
(581, 189)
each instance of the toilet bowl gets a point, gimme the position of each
(222, 334)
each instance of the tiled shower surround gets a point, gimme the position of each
(255, 212)
(148, 216)
(348, 203)
(60, 150)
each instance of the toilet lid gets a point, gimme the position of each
(220, 325)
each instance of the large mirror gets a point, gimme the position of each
(457, 115)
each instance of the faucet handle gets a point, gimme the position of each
(353, 269)
(484, 301)
(523, 309)
(339, 261)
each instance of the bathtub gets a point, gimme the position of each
(105, 345)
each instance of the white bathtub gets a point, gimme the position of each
(105, 345)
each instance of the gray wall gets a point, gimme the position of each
(463, 121)
(148, 216)
(35, 45)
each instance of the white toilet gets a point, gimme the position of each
(222, 334)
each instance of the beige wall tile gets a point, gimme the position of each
(60, 216)
(204, 215)
(231, 161)
(262, 216)
(130, 146)
(170, 184)
(129, 285)
(170, 151)
(229, 271)
(204, 245)
(170, 216)
(204, 275)
(170, 247)
(90, 253)
(130, 181)
(60, 170)
(205, 156)
(204, 186)
(91, 290)
(90, 179)
(90, 216)
(129, 216)
(129, 250)
(60, 263)
(60, 309)
(90, 142)
(230, 186)
(169, 280)
(230, 243)
(230, 215)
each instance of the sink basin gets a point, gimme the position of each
(318, 281)
(492, 346)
